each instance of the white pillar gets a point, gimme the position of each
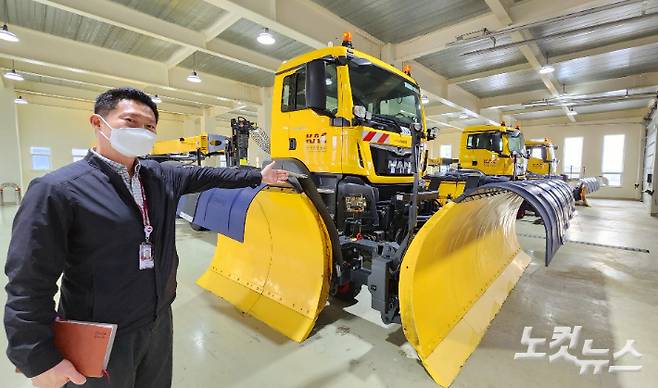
(10, 159)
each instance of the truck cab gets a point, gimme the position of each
(542, 159)
(493, 150)
(340, 111)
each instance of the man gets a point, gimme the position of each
(107, 223)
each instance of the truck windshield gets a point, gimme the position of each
(385, 94)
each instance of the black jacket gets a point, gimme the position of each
(82, 222)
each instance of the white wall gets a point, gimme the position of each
(446, 136)
(651, 166)
(10, 171)
(63, 128)
(593, 134)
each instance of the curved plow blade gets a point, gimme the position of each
(463, 263)
(280, 272)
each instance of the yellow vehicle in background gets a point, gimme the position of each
(488, 153)
(494, 150)
(542, 159)
(351, 130)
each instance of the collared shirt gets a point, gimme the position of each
(72, 221)
(133, 183)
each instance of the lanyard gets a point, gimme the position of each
(148, 229)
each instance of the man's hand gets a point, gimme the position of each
(273, 176)
(59, 375)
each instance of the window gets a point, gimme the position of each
(536, 152)
(300, 90)
(485, 141)
(573, 155)
(293, 96)
(40, 158)
(445, 152)
(332, 88)
(613, 159)
(78, 153)
(287, 100)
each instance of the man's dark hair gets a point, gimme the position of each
(108, 101)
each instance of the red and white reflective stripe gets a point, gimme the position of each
(376, 137)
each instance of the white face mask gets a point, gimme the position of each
(130, 142)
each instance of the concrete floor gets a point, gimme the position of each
(612, 293)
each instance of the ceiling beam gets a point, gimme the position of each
(440, 39)
(533, 59)
(488, 73)
(223, 23)
(438, 90)
(317, 26)
(81, 60)
(27, 88)
(261, 17)
(118, 15)
(588, 118)
(519, 13)
(638, 42)
(438, 110)
(630, 82)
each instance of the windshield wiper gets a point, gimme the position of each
(388, 120)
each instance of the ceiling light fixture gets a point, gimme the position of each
(156, 99)
(548, 69)
(463, 116)
(20, 100)
(265, 37)
(424, 99)
(14, 76)
(5, 34)
(194, 77)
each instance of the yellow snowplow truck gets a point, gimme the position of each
(354, 213)
(494, 150)
(542, 159)
(488, 154)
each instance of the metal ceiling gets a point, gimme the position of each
(227, 69)
(614, 64)
(504, 83)
(599, 36)
(396, 21)
(539, 115)
(450, 62)
(244, 32)
(611, 106)
(193, 14)
(53, 21)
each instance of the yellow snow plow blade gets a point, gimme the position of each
(280, 272)
(455, 276)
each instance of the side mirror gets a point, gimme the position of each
(316, 94)
(432, 133)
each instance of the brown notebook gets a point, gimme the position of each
(86, 344)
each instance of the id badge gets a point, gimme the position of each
(146, 256)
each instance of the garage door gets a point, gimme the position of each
(651, 201)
